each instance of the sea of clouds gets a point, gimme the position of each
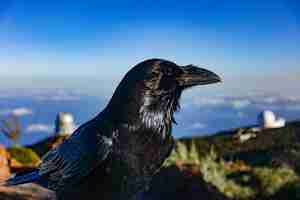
(209, 114)
(199, 115)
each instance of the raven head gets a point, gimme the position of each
(164, 77)
(164, 82)
(156, 85)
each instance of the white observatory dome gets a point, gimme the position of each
(267, 119)
(64, 124)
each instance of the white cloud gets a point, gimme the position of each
(213, 101)
(42, 94)
(57, 98)
(241, 114)
(5, 112)
(295, 99)
(235, 102)
(197, 125)
(39, 128)
(261, 101)
(21, 111)
(293, 107)
(58, 95)
(239, 104)
(270, 100)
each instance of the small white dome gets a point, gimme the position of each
(267, 119)
(64, 124)
(279, 123)
(66, 118)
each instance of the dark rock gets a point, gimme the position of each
(26, 192)
(180, 184)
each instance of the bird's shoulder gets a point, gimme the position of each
(76, 157)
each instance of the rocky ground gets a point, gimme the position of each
(18, 159)
(26, 192)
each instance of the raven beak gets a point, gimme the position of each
(193, 75)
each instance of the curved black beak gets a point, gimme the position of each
(193, 75)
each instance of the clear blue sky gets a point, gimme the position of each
(104, 38)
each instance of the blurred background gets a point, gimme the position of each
(68, 56)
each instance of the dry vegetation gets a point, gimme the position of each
(263, 168)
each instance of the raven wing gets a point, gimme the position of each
(74, 159)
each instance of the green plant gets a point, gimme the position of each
(273, 179)
(214, 172)
(235, 179)
(24, 155)
(184, 154)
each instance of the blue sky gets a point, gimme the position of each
(103, 39)
(87, 46)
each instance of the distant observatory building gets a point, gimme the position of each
(267, 119)
(64, 124)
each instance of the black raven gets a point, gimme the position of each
(114, 155)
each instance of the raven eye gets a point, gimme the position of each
(166, 83)
(169, 71)
(154, 73)
(178, 71)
